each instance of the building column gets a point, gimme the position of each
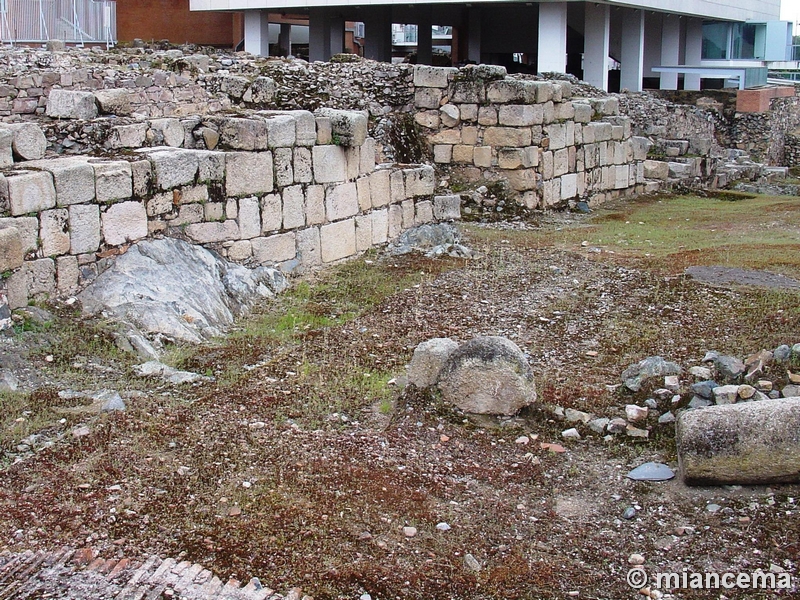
(694, 52)
(670, 50)
(256, 32)
(378, 34)
(552, 37)
(595, 44)
(424, 35)
(632, 51)
(325, 33)
(285, 38)
(474, 34)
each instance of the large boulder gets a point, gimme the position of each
(179, 290)
(746, 443)
(489, 376)
(428, 360)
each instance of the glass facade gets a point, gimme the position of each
(716, 41)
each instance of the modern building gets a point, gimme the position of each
(657, 43)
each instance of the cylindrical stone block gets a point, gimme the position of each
(744, 443)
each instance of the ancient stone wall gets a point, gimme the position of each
(549, 147)
(299, 190)
(763, 134)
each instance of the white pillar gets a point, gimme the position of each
(256, 32)
(474, 34)
(595, 44)
(378, 34)
(632, 51)
(694, 52)
(670, 50)
(552, 37)
(285, 38)
(424, 35)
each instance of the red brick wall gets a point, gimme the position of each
(171, 20)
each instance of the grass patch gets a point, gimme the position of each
(676, 232)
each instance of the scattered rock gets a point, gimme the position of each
(111, 401)
(700, 372)
(704, 389)
(729, 368)
(617, 426)
(409, 531)
(629, 513)
(443, 527)
(726, 394)
(651, 471)
(782, 353)
(666, 418)
(472, 563)
(636, 413)
(8, 381)
(632, 431)
(488, 375)
(643, 372)
(169, 374)
(571, 434)
(577, 416)
(599, 425)
(636, 559)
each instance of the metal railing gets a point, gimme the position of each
(73, 21)
(795, 53)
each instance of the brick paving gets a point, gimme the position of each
(82, 575)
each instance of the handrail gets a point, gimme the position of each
(73, 21)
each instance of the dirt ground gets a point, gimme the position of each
(305, 460)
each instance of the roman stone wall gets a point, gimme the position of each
(288, 196)
(551, 148)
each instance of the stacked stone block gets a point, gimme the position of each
(549, 147)
(293, 198)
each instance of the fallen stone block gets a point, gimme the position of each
(6, 151)
(29, 142)
(114, 101)
(752, 443)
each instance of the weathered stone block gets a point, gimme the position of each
(380, 187)
(563, 111)
(433, 77)
(271, 213)
(243, 134)
(114, 101)
(362, 189)
(341, 201)
(30, 192)
(569, 186)
(469, 112)
(324, 131)
(521, 115)
(188, 213)
(275, 248)
(309, 251)
(515, 158)
(429, 119)
(67, 104)
(173, 168)
(507, 136)
(284, 174)
(446, 136)
(656, 169)
(241, 250)
(447, 207)
(330, 164)
(249, 218)
(349, 128)
(471, 92)
(482, 156)
(305, 127)
(420, 181)
(248, 173)
(427, 98)
(363, 233)
(463, 154)
(560, 162)
(521, 180)
(583, 111)
(397, 185)
(338, 240)
(208, 233)
(407, 206)
(28, 228)
(113, 180)
(6, 151)
(168, 132)
(294, 214)
(73, 179)
(281, 130)
(84, 228)
(210, 165)
(423, 212)
(367, 157)
(303, 172)
(487, 116)
(315, 204)
(557, 135)
(640, 147)
(395, 221)
(508, 91)
(11, 254)
(54, 231)
(380, 226)
(124, 222)
(67, 274)
(450, 115)
(352, 155)
(469, 136)
(127, 136)
(443, 154)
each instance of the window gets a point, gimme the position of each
(715, 41)
(744, 41)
